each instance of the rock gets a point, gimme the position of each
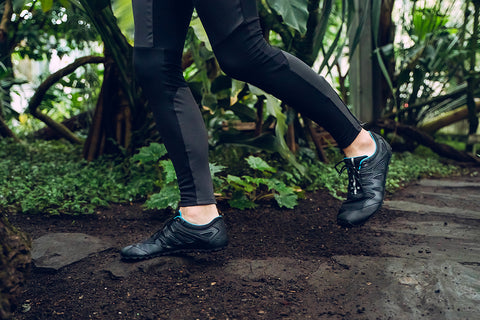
(56, 250)
(14, 265)
(420, 208)
(448, 183)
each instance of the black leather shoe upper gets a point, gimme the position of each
(366, 184)
(180, 236)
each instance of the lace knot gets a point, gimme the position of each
(354, 182)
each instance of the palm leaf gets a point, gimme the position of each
(293, 12)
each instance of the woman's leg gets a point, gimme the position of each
(245, 55)
(160, 31)
(236, 36)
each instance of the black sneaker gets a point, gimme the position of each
(179, 236)
(366, 184)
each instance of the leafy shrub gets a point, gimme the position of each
(51, 177)
(241, 192)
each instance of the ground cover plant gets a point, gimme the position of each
(51, 177)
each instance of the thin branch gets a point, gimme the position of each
(54, 77)
(6, 132)
(6, 18)
(425, 139)
(43, 88)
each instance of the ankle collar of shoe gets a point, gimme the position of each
(192, 225)
(365, 157)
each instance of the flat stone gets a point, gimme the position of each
(465, 196)
(433, 227)
(401, 288)
(56, 250)
(448, 183)
(419, 208)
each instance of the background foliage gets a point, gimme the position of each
(429, 67)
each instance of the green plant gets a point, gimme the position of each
(166, 179)
(242, 192)
(407, 167)
(51, 177)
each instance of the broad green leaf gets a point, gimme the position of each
(123, 11)
(321, 28)
(169, 196)
(237, 86)
(209, 100)
(256, 181)
(18, 5)
(215, 168)
(200, 32)
(288, 200)
(279, 186)
(247, 187)
(47, 5)
(65, 3)
(376, 11)
(170, 175)
(293, 12)
(244, 112)
(274, 108)
(152, 153)
(259, 164)
(240, 201)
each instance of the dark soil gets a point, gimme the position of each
(195, 286)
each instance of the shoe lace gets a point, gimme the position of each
(354, 182)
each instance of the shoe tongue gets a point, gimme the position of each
(356, 160)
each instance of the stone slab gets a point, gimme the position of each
(57, 250)
(454, 196)
(444, 183)
(400, 288)
(401, 205)
(433, 228)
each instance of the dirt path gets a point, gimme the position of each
(418, 258)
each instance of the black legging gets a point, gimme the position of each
(234, 31)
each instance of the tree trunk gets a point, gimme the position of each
(120, 109)
(472, 79)
(5, 130)
(416, 135)
(448, 118)
(386, 36)
(111, 127)
(75, 123)
(14, 265)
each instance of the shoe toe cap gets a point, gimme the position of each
(350, 217)
(132, 251)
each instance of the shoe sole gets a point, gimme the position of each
(171, 253)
